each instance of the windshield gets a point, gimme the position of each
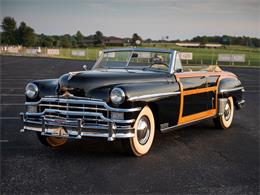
(141, 60)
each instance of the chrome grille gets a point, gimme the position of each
(71, 109)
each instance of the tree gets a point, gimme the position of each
(204, 40)
(98, 38)
(45, 41)
(79, 37)
(9, 28)
(66, 41)
(226, 40)
(135, 38)
(25, 35)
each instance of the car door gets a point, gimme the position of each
(197, 97)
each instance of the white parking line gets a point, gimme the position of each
(9, 118)
(14, 104)
(5, 88)
(14, 79)
(5, 94)
(3, 140)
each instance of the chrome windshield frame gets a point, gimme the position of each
(172, 54)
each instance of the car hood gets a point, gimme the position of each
(97, 82)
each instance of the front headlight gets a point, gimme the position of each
(31, 90)
(117, 96)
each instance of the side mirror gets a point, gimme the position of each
(85, 67)
(135, 55)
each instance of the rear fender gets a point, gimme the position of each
(231, 87)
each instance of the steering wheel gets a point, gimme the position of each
(161, 63)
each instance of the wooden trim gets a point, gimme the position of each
(181, 100)
(196, 91)
(216, 97)
(206, 74)
(208, 113)
(197, 116)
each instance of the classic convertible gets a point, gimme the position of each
(129, 94)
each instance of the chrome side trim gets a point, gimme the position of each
(241, 102)
(167, 129)
(153, 95)
(80, 101)
(221, 105)
(230, 90)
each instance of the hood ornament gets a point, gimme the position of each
(72, 74)
(67, 94)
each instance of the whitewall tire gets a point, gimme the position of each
(225, 120)
(144, 126)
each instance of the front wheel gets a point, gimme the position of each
(225, 120)
(52, 142)
(144, 126)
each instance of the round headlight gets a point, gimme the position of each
(31, 90)
(117, 96)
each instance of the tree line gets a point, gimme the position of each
(25, 35)
(228, 40)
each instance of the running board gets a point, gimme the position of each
(172, 128)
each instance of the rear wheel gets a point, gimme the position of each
(224, 121)
(144, 126)
(52, 142)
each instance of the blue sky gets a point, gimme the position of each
(178, 19)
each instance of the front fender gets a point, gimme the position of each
(162, 98)
(150, 92)
(47, 87)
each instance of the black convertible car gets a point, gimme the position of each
(129, 94)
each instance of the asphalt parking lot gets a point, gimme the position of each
(196, 159)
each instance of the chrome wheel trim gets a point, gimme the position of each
(227, 111)
(143, 130)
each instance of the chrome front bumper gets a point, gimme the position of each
(75, 124)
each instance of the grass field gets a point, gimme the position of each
(200, 55)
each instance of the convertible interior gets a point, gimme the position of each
(209, 68)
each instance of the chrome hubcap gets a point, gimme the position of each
(227, 112)
(143, 130)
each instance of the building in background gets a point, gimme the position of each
(113, 41)
(200, 45)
